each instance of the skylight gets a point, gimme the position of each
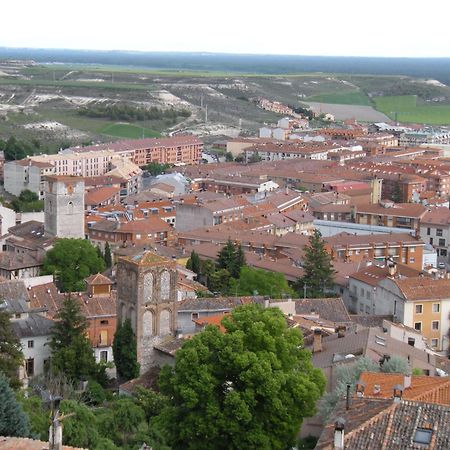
(422, 436)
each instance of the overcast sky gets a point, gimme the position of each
(298, 27)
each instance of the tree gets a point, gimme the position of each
(255, 158)
(125, 352)
(127, 416)
(72, 260)
(194, 263)
(264, 283)
(38, 415)
(27, 201)
(397, 193)
(11, 356)
(345, 374)
(107, 256)
(229, 157)
(13, 421)
(219, 281)
(156, 169)
(318, 269)
(396, 364)
(71, 349)
(250, 387)
(231, 257)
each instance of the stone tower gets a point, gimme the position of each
(146, 294)
(64, 206)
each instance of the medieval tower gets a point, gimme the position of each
(146, 294)
(64, 206)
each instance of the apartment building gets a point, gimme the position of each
(435, 229)
(172, 150)
(390, 214)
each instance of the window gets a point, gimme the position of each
(194, 316)
(30, 344)
(419, 309)
(104, 355)
(411, 260)
(103, 337)
(436, 307)
(367, 309)
(418, 326)
(412, 249)
(428, 231)
(434, 342)
(103, 322)
(361, 307)
(431, 241)
(441, 242)
(29, 367)
(17, 316)
(438, 232)
(435, 325)
(422, 436)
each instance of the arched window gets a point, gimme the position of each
(165, 285)
(147, 324)
(164, 322)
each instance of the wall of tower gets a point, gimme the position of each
(64, 207)
(147, 296)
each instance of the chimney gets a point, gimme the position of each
(407, 380)
(360, 388)
(317, 343)
(339, 426)
(398, 393)
(341, 331)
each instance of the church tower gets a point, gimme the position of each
(64, 206)
(146, 294)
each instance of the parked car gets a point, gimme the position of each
(441, 265)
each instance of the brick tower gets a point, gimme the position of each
(146, 294)
(64, 206)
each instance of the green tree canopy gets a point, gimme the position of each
(319, 273)
(13, 421)
(71, 349)
(261, 282)
(250, 387)
(194, 263)
(72, 260)
(125, 352)
(11, 356)
(107, 255)
(231, 257)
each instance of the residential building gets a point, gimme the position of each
(103, 196)
(390, 214)
(435, 229)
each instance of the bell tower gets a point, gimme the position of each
(146, 294)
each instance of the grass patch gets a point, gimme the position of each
(342, 98)
(129, 131)
(404, 108)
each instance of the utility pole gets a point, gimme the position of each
(304, 290)
(206, 113)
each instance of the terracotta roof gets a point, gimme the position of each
(147, 380)
(373, 274)
(415, 210)
(436, 216)
(343, 239)
(97, 196)
(423, 388)
(149, 225)
(212, 320)
(148, 258)
(98, 279)
(163, 187)
(382, 424)
(332, 309)
(16, 443)
(421, 288)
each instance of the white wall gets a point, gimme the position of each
(40, 351)
(8, 219)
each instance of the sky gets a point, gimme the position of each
(406, 28)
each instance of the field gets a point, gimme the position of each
(346, 98)
(129, 131)
(42, 101)
(407, 109)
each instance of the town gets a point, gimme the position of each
(121, 260)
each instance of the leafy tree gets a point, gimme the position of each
(318, 269)
(417, 371)
(250, 387)
(255, 158)
(396, 364)
(95, 394)
(155, 169)
(11, 356)
(151, 402)
(72, 260)
(127, 417)
(13, 421)
(229, 157)
(27, 201)
(239, 158)
(231, 257)
(219, 281)
(38, 415)
(345, 374)
(194, 263)
(71, 349)
(264, 283)
(125, 352)
(107, 255)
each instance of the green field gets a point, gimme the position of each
(404, 108)
(124, 130)
(342, 98)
